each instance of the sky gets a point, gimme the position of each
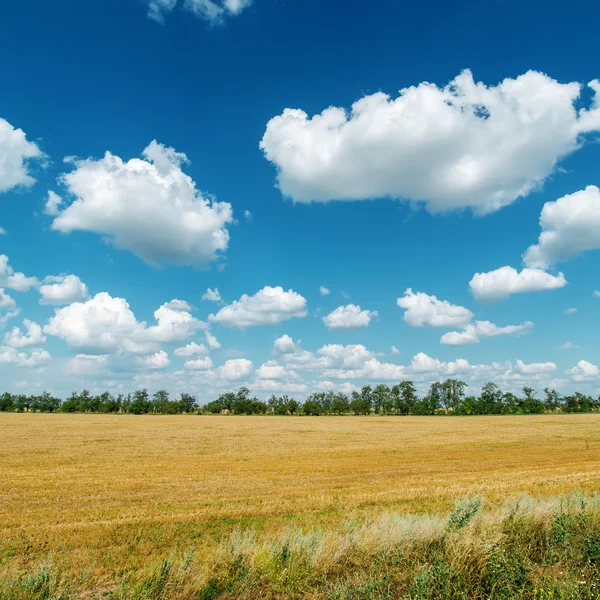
(298, 196)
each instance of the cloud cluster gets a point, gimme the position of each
(150, 207)
(349, 317)
(213, 11)
(33, 336)
(16, 156)
(269, 306)
(14, 281)
(423, 310)
(506, 281)
(466, 145)
(473, 333)
(63, 289)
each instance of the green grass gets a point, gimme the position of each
(531, 549)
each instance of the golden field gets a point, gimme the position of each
(112, 493)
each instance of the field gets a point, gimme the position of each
(109, 496)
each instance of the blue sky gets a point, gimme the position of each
(417, 190)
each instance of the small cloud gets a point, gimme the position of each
(596, 293)
(568, 346)
(570, 311)
(248, 215)
(324, 291)
(2, 231)
(52, 206)
(212, 295)
(395, 350)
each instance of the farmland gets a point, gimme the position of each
(109, 496)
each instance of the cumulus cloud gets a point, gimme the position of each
(192, 349)
(35, 358)
(199, 364)
(105, 324)
(150, 207)
(464, 145)
(324, 291)
(213, 11)
(53, 203)
(156, 361)
(349, 317)
(584, 371)
(212, 295)
(269, 306)
(8, 307)
(473, 333)
(423, 310)
(352, 356)
(16, 156)
(534, 368)
(235, 369)
(63, 289)
(505, 281)
(285, 345)
(33, 336)
(570, 225)
(86, 364)
(14, 281)
(273, 370)
(394, 350)
(212, 341)
(570, 311)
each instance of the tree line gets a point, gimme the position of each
(445, 397)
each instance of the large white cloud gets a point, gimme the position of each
(272, 370)
(473, 333)
(570, 225)
(505, 281)
(150, 207)
(269, 306)
(349, 317)
(464, 145)
(105, 324)
(16, 154)
(63, 289)
(213, 11)
(424, 310)
(33, 336)
(584, 371)
(235, 369)
(14, 281)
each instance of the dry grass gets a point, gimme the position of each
(111, 494)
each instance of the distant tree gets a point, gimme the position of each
(312, 408)
(381, 398)
(187, 403)
(404, 397)
(140, 403)
(340, 404)
(453, 394)
(359, 406)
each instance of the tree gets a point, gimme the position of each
(140, 404)
(359, 406)
(312, 408)
(340, 404)
(404, 397)
(454, 392)
(187, 403)
(490, 400)
(382, 399)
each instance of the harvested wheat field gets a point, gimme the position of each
(112, 495)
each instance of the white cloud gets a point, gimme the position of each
(273, 385)
(464, 145)
(53, 203)
(248, 215)
(156, 361)
(274, 371)
(191, 349)
(376, 370)
(212, 341)
(570, 311)
(150, 207)
(505, 281)
(570, 225)
(324, 291)
(86, 364)
(8, 307)
(584, 371)
(285, 345)
(235, 369)
(199, 364)
(63, 289)
(352, 356)
(35, 358)
(212, 295)
(424, 310)
(16, 155)
(568, 346)
(213, 11)
(14, 281)
(349, 317)
(33, 337)
(394, 350)
(596, 293)
(269, 306)
(473, 333)
(534, 368)
(104, 324)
